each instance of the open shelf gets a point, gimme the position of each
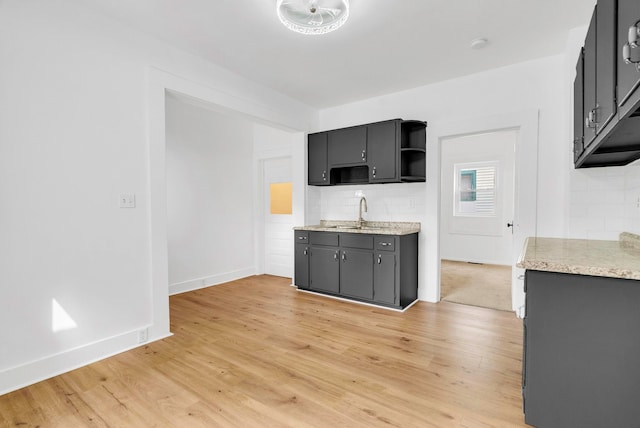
(413, 149)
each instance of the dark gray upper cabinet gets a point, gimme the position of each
(413, 150)
(578, 108)
(605, 64)
(599, 70)
(348, 146)
(628, 71)
(317, 157)
(383, 152)
(589, 96)
(612, 124)
(384, 162)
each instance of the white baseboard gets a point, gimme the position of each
(35, 371)
(208, 281)
(358, 302)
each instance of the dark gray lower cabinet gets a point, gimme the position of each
(380, 269)
(301, 265)
(356, 274)
(324, 269)
(581, 361)
(384, 273)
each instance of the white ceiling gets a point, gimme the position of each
(385, 46)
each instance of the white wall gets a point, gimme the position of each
(74, 133)
(531, 86)
(209, 203)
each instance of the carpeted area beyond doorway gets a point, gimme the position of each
(483, 285)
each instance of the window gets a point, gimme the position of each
(280, 194)
(475, 189)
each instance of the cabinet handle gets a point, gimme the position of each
(306, 251)
(634, 34)
(590, 120)
(364, 155)
(626, 53)
(626, 56)
(344, 256)
(385, 244)
(335, 255)
(374, 172)
(379, 259)
(324, 175)
(302, 237)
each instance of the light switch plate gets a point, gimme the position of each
(127, 200)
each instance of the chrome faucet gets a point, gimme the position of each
(360, 219)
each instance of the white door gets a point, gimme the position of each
(278, 221)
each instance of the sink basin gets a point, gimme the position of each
(350, 227)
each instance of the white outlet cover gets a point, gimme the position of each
(127, 200)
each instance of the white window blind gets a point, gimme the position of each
(475, 189)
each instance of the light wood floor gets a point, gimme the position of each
(258, 353)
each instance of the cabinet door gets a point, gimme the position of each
(348, 146)
(578, 110)
(301, 265)
(317, 152)
(582, 351)
(384, 278)
(628, 74)
(356, 274)
(382, 151)
(605, 63)
(324, 269)
(590, 83)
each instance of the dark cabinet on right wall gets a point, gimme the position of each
(607, 102)
(629, 59)
(578, 108)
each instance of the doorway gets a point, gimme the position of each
(477, 213)
(278, 220)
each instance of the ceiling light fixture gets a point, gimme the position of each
(313, 16)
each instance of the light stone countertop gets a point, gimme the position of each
(369, 227)
(613, 259)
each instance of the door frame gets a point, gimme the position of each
(498, 221)
(525, 189)
(159, 82)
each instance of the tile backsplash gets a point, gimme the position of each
(604, 202)
(386, 202)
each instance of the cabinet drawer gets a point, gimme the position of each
(301, 237)
(385, 243)
(323, 238)
(355, 240)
